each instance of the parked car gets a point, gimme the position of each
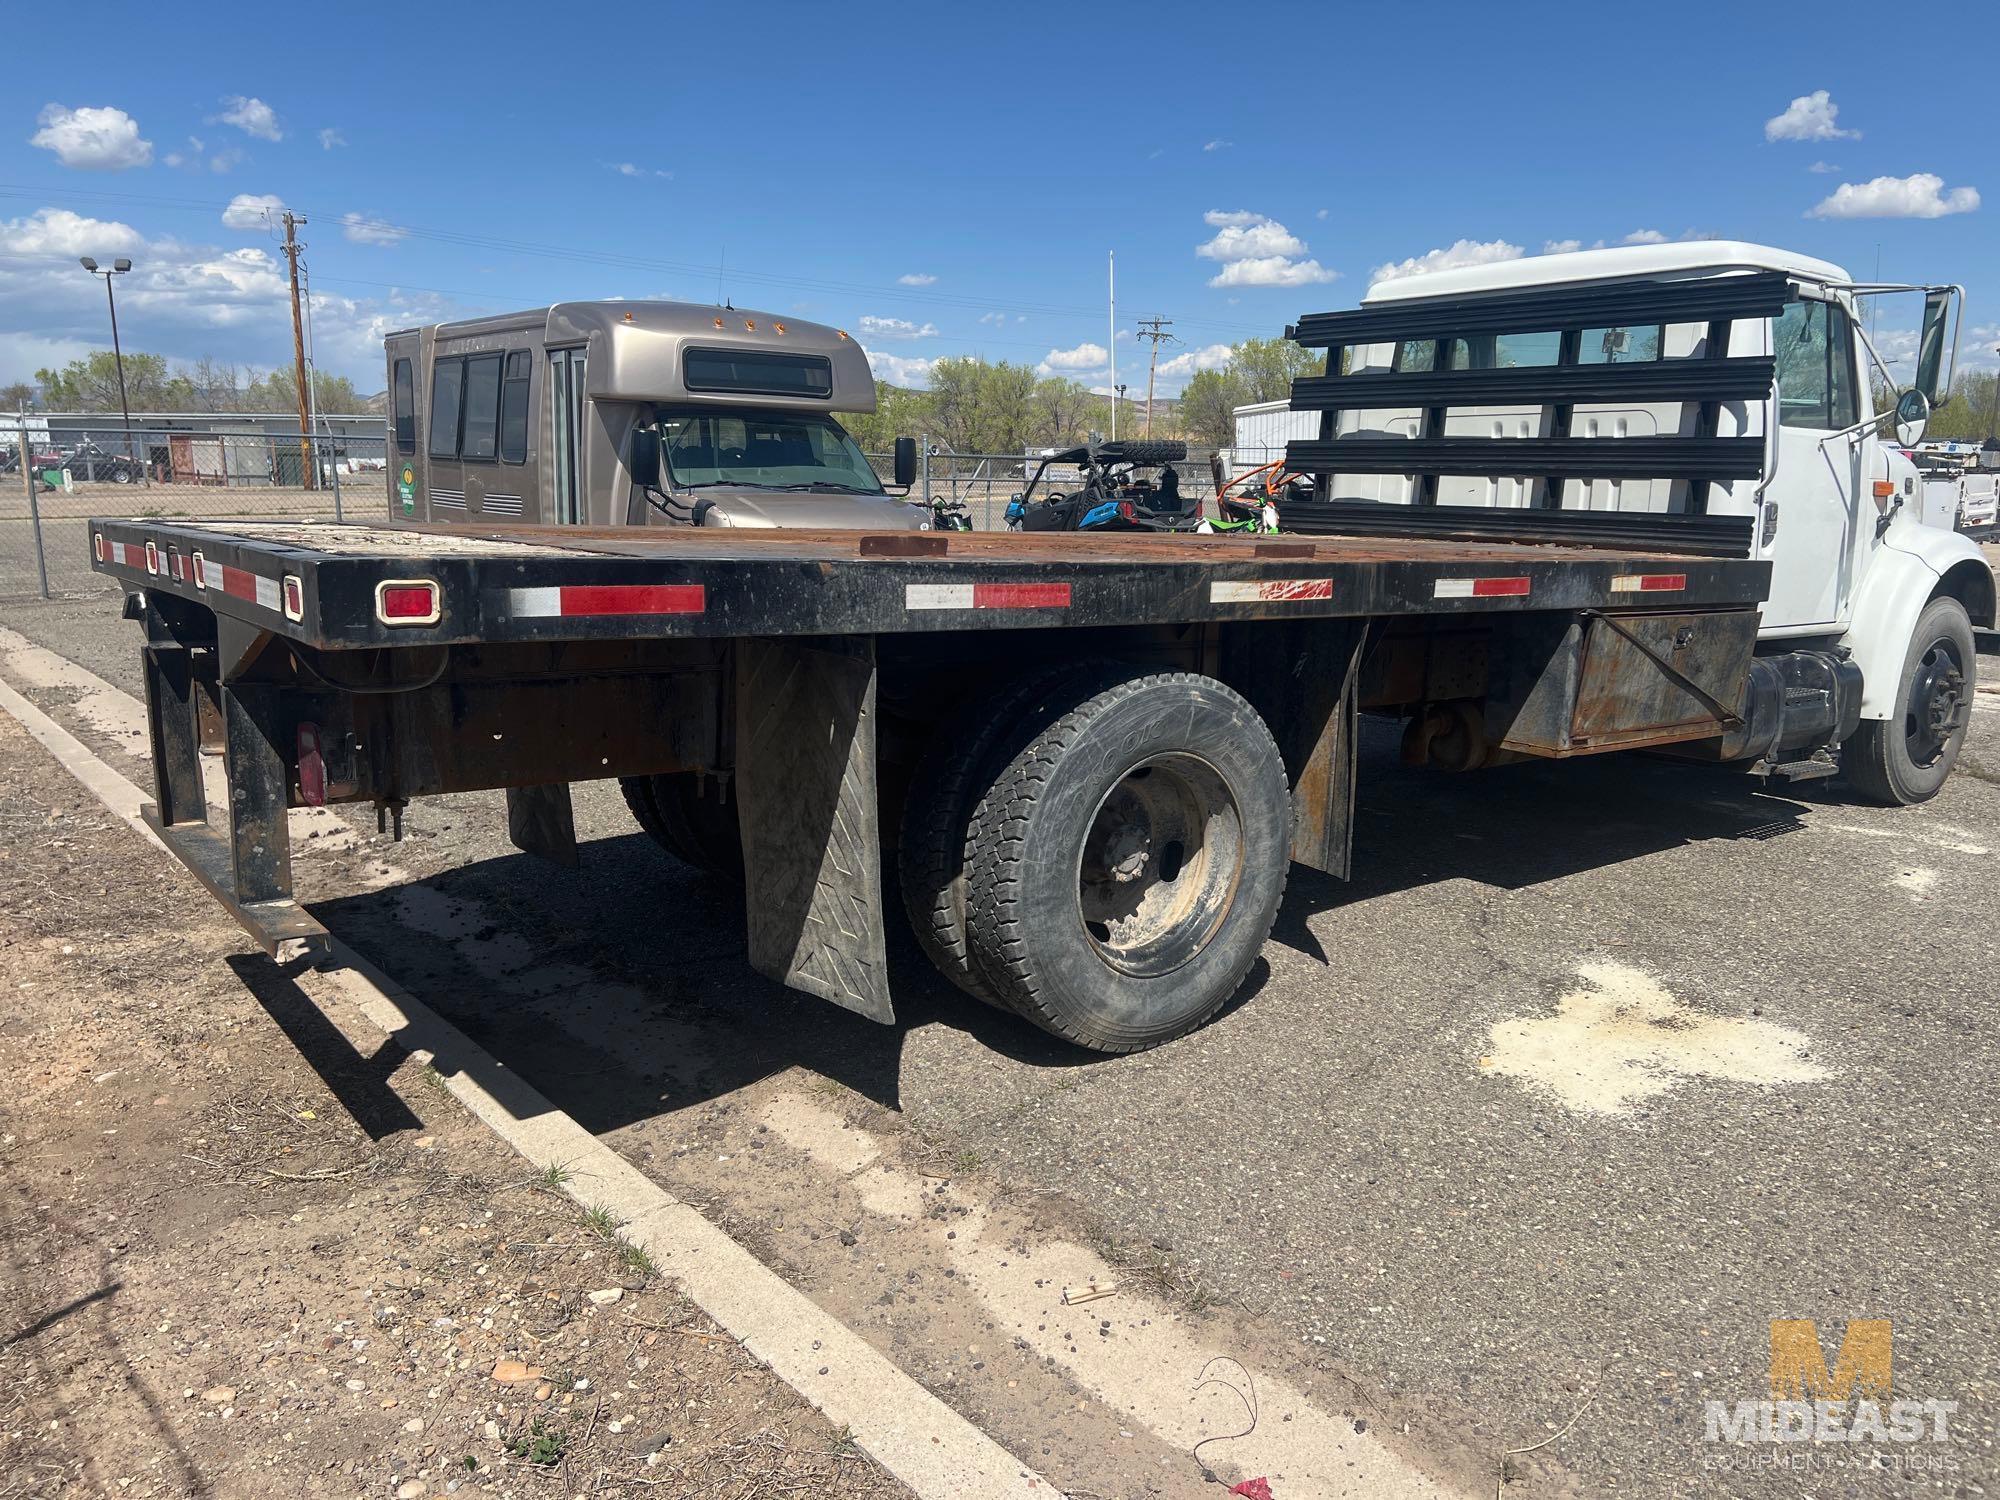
(90, 462)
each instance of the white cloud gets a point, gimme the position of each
(252, 211)
(897, 370)
(60, 235)
(1084, 357)
(917, 278)
(995, 318)
(92, 139)
(1256, 250)
(1561, 247)
(225, 161)
(1921, 195)
(190, 301)
(1218, 145)
(1272, 270)
(364, 229)
(1320, 213)
(1810, 117)
(1459, 253)
(895, 328)
(252, 116)
(329, 138)
(633, 169)
(1213, 357)
(1823, 167)
(1644, 237)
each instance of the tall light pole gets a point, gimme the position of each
(118, 268)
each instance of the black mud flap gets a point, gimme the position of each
(805, 788)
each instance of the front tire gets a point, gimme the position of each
(1126, 865)
(1905, 759)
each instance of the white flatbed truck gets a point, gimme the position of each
(1088, 761)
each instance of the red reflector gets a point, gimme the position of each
(152, 557)
(407, 601)
(634, 599)
(1020, 596)
(295, 599)
(1489, 588)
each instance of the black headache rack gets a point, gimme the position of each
(1701, 457)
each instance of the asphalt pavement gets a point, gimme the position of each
(1593, 1072)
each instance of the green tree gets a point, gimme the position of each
(1968, 416)
(1267, 367)
(1207, 407)
(17, 396)
(91, 383)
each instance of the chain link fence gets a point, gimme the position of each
(71, 475)
(53, 481)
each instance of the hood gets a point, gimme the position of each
(804, 511)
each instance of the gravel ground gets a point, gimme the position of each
(1367, 1160)
(240, 1258)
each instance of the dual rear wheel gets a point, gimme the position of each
(1101, 852)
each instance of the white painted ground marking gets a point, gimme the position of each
(1624, 1037)
(1942, 836)
(906, 1429)
(1147, 1369)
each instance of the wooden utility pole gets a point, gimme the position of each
(309, 469)
(1154, 330)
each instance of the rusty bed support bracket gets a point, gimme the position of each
(1303, 679)
(805, 787)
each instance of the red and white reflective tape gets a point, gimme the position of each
(1649, 583)
(986, 596)
(1271, 591)
(239, 583)
(126, 554)
(1481, 588)
(576, 599)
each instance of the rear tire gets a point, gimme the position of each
(930, 855)
(1905, 759)
(697, 829)
(1127, 863)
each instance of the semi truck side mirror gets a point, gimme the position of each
(1913, 414)
(1932, 377)
(906, 462)
(646, 456)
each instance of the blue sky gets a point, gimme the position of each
(947, 180)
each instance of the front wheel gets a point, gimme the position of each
(1906, 758)
(1126, 865)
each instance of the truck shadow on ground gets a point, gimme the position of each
(622, 991)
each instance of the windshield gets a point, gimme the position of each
(763, 450)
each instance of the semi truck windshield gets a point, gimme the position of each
(763, 450)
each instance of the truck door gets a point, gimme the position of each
(565, 497)
(1818, 475)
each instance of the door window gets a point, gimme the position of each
(447, 385)
(406, 408)
(1815, 350)
(482, 408)
(514, 409)
(566, 371)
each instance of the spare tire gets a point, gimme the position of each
(1144, 451)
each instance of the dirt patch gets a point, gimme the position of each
(238, 1257)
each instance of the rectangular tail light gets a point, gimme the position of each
(295, 598)
(408, 601)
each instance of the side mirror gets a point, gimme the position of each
(1913, 413)
(645, 459)
(906, 462)
(1931, 373)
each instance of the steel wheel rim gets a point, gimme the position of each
(1937, 708)
(1160, 864)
